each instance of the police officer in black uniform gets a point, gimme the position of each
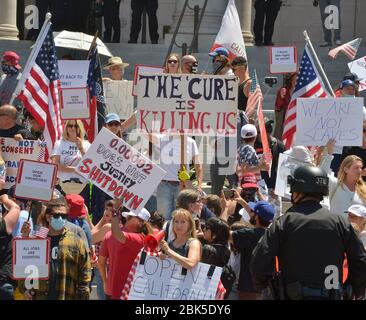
(310, 243)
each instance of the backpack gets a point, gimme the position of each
(228, 278)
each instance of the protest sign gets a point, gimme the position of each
(281, 188)
(140, 68)
(13, 151)
(31, 259)
(195, 104)
(118, 97)
(282, 59)
(75, 103)
(359, 67)
(73, 73)
(35, 180)
(157, 279)
(318, 120)
(267, 154)
(120, 171)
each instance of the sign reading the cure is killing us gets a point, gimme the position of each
(319, 120)
(194, 104)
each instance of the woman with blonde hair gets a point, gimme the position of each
(348, 188)
(185, 249)
(67, 153)
(173, 64)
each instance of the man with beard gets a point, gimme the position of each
(245, 240)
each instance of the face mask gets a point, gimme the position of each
(194, 68)
(252, 221)
(217, 66)
(9, 69)
(57, 224)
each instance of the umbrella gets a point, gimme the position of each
(77, 44)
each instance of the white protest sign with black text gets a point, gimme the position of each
(120, 171)
(31, 259)
(140, 68)
(359, 67)
(118, 97)
(283, 59)
(157, 279)
(13, 151)
(319, 120)
(73, 73)
(35, 180)
(75, 103)
(195, 104)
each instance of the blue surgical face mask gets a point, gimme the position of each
(7, 69)
(57, 224)
(217, 66)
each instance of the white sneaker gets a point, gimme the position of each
(338, 42)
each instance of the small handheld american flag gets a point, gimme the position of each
(349, 49)
(41, 232)
(254, 95)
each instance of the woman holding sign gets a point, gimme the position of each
(185, 248)
(67, 153)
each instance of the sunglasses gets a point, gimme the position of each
(113, 123)
(57, 215)
(172, 61)
(72, 126)
(3, 115)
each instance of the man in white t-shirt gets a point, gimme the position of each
(167, 154)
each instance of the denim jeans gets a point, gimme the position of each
(99, 283)
(166, 196)
(6, 291)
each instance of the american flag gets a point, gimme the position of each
(41, 232)
(254, 94)
(40, 94)
(308, 85)
(97, 102)
(349, 49)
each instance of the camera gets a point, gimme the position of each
(270, 81)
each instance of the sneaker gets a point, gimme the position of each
(325, 44)
(338, 42)
(259, 43)
(269, 43)
(132, 41)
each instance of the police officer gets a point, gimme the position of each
(310, 243)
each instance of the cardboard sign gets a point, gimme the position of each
(359, 67)
(195, 104)
(281, 188)
(35, 180)
(119, 98)
(75, 103)
(14, 151)
(140, 68)
(318, 120)
(283, 59)
(157, 279)
(120, 171)
(31, 259)
(73, 73)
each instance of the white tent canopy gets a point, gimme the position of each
(79, 41)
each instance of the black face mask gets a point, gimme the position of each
(194, 67)
(252, 220)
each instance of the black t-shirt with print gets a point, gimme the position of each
(54, 266)
(17, 129)
(245, 240)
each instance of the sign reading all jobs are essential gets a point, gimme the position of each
(283, 59)
(319, 120)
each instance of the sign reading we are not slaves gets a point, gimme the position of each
(319, 120)
(195, 104)
(120, 170)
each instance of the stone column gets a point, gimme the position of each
(245, 15)
(8, 20)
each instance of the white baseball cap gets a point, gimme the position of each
(143, 214)
(358, 210)
(248, 131)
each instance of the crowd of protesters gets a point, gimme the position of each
(224, 228)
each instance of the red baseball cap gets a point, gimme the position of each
(76, 206)
(13, 58)
(249, 181)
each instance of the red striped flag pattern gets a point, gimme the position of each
(41, 232)
(308, 85)
(349, 49)
(40, 94)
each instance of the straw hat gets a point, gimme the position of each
(115, 61)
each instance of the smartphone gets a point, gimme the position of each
(229, 194)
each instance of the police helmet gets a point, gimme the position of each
(309, 179)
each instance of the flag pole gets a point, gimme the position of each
(92, 44)
(318, 65)
(32, 56)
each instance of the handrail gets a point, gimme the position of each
(196, 30)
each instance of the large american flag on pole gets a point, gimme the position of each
(349, 49)
(40, 94)
(308, 85)
(255, 94)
